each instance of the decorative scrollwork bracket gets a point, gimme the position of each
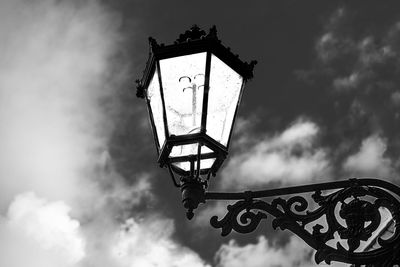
(354, 221)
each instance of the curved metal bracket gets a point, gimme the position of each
(356, 221)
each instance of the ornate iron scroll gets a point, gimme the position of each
(347, 225)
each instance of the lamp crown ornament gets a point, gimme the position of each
(195, 33)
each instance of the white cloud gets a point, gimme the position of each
(39, 233)
(149, 243)
(54, 72)
(296, 253)
(370, 159)
(57, 69)
(290, 157)
(140, 241)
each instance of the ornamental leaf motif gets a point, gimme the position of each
(353, 213)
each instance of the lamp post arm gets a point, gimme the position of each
(303, 189)
(340, 219)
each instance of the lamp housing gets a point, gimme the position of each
(193, 89)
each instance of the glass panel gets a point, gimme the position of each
(204, 164)
(154, 97)
(183, 86)
(186, 150)
(225, 86)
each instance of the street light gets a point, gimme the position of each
(193, 89)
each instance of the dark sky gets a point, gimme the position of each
(324, 105)
(331, 65)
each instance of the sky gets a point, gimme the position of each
(79, 182)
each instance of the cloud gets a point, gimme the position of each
(354, 80)
(370, 159)
(149, 244)
(54, 75)
(295, 253)
(395, 97)
(39, 233)
(138, 241)
(353, 54)
(331, 47)
(291, 157)
(350, 81)
(59, 79)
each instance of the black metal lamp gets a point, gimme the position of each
(192, 89)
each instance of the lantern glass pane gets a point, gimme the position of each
(154, 98)
(183, 87)
(186, 150)
(204, 164)
(223, 98)
(190, 150)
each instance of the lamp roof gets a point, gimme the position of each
(192, 41)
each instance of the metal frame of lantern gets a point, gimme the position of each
(351, 208)
(191, 42)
